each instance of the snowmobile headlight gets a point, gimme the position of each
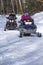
(11, 20)
(28, 23)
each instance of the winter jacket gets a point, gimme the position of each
(25, 17)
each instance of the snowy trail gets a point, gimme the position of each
(21, 51)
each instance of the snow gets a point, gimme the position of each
(38, 17)
(21, 51)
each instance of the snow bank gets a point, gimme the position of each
(38, 17)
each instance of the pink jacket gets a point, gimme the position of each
(24, 17)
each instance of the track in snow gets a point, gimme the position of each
(20, 51)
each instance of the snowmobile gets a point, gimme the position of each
(10, 24)
(28, 27)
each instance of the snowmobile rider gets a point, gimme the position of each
(25, 16)
(11, 24)
(12, 16)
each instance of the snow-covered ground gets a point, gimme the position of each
(21, 51)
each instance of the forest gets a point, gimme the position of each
(18, 6)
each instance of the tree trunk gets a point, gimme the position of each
(24, 4)
(2, 6)
(24, 1)
(12, 3)
(20, 5)
(16, 5)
